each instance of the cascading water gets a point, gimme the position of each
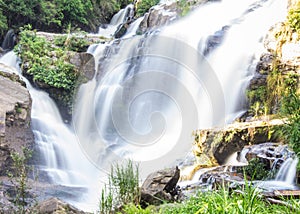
(123, 16)
(151, 91)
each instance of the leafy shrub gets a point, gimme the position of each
(144, 5)
(45, 62)
(256, 169)
(74, 42)
(293, 18)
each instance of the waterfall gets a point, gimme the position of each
(287, 171)
(151, 91)
(123, 16)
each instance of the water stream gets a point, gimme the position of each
(151, 91)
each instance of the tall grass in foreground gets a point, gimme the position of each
(122, 188)
(247, 201)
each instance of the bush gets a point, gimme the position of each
(144, 5)
(45, 62)
(293, 18)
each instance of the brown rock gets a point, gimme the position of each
(56, 206)
(213, 146)
(160, 186)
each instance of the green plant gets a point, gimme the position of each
(143, 6)
(72, 42)
(256, 169)
(18, 175)
(293, 18)
(137, 209)
(290, 107)
(45, 62)
(122, 189)
(184, 6)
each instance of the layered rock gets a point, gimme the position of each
(15, 117)
(213, 146)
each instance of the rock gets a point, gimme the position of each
(85, 64)
(213, 146)
(215, 40)
(15, 117)
(160, 187)
(56, 206)
(271, 154)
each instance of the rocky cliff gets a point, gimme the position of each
(15, 111)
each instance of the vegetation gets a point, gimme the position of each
(293, 19)
(122, 188)
(184, 6)
(19, 178)
(45, 62)
(57, 15)
(143, 6)
(247, 201)
(256, 170)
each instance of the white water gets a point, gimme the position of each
(285, 178)
(118, 19)
(151, 93)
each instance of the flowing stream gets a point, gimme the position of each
(151, 91)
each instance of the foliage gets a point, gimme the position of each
(144, 5)
(246, 201)
(293, 18)
(290, 107)
(122, 189)
(75, 42)
(45, 62)
(256, 169)
(57, 15)
(184, 6)
(134, 209)
(19, 178)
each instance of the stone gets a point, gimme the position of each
(15, 117)
(213, 146)
(85, 63)
(56, 206)
(160, 186)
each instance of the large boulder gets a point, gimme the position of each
(160, 186)
(15, 117)
(213, 146)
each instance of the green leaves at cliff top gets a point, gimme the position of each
(45, 62)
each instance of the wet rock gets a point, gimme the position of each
(215, 40)
(54, 205)
(160, 186)
(213, 146)
(272, 154)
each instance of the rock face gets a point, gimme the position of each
(54, 205)
(15, 117)
(163, 14)
(160, 187)
(213, 146)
